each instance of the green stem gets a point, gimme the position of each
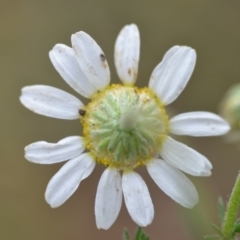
(232, 210)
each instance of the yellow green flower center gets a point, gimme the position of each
(124, 127)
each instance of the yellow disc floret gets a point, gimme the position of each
(124, 127)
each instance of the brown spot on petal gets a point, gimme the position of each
(104, 62)
(103, 58)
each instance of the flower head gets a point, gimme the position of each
(124, 127)
(230, 110)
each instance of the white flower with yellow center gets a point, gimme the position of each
(123, 127)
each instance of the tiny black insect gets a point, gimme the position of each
(82, 112)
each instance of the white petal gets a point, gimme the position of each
(137, 198)
(171, 76)
(173, 182)
(48, 153)
(185, 158)
(126, 54)
(51, 102)
(91, 60)
(108, 199)
(64, 60)
(65, 182)
(198, 124)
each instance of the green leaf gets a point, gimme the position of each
(236, 228)
(138, 232)
(140, 235)
(126, 234)
(221, 209)
(218, 230)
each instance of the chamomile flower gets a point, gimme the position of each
(124, 127)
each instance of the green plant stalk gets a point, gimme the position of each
(232, 210)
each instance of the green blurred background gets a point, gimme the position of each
(30, 28)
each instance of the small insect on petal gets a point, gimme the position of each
(82, 112)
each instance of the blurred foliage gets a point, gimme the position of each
(140, 235)
(230, 110)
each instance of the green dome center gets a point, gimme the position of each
(125, 127)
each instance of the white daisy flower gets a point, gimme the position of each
(124, 127)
